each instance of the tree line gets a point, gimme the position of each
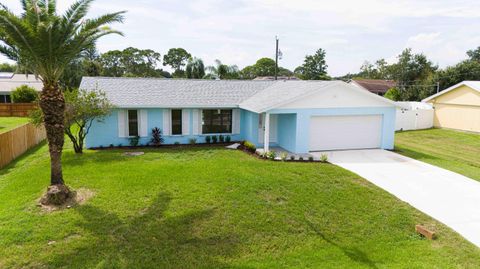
(416, 76)
(134, 62)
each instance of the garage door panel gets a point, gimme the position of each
(345, 132)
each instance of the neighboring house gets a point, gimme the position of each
(299, 116)
(376, 86)
(10, 81)
(457, 107)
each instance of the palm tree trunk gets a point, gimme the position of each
(52, 103)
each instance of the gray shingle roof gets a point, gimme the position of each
(256, 96)
(10, 81)
(151, 92)
(283, 92)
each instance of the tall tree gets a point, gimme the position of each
(412, 73)
(131, 62)
(176, 58)
(87, 64)
(195, 68)
(223, 71)
(474, 54)
(314, 67)
(45, 42)
(265, 67)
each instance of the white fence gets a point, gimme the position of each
(414, 116)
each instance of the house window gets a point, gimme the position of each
(176, 121)
(216, 121)
(4, 98)
(132, 123)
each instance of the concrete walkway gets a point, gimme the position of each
(451, 198)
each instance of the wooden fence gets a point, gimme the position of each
(15, 142)
(16, 109)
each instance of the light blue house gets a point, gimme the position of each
(298, 116)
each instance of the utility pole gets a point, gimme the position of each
(438, 86)
(276, 57)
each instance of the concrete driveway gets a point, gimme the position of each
(451, 198)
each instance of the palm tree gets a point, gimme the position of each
(223, 71)
(45, 43)
(195, 68)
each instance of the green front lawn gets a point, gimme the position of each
(213, 208)
(453, 150)
(8, 123)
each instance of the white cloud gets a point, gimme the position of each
(351, 31)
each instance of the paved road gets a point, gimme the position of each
(449, 197)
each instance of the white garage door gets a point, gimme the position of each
(345, 132)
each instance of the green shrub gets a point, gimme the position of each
(250, 146)
(176, 143)
(271, 155)
(310, 158)
(228, 139)
(324, 158)
(221, 138)
(300, 158)
(134, 141)
(292, 157)
(284, 156)
(192, 141)
(208, 139)
(393, 94)
(157, 138)
(24, 94)
(214, 139)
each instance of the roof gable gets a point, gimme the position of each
(338, 95)
(474, 85)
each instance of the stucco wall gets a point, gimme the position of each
(303, 116)
(287, 129)
(458, 109)
(106, 133)
(249, 126)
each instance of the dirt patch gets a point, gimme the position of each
(79, 197)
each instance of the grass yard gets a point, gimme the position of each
(453, 150)
(213, 208)
(9, 123)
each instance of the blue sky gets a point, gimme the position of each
(241, 31)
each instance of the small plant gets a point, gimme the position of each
(221, 138)
(249, 146)
(214, 139)
(300, 158)
(228, 139)
(111, 145)
(134, 140)
(101, 147)
(292, 157)
(120, 145)
(324, 158)
(192, 141)
(208, 139)
(157, 138)
(310, 158)
(284, 156)
(271, 155)
(176, 143)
